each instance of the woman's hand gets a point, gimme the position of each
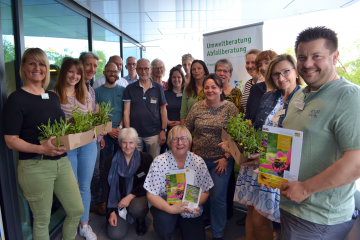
(221, 167)
(49, 149)
(102, 144)
(172, 124)
(125, 202)
(103, 133)
(261, 184)
(113, 219)
(193, 211)
(254, 162)
(178, 208)
(224, 146)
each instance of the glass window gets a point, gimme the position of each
(130, 50)
(106, 44)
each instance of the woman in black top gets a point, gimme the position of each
(173, 96)
(124, 177)
(43, 169)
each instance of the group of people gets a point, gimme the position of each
(159, 126)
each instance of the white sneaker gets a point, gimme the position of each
(87, 232)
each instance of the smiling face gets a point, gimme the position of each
(90, 67)
(315, 64)
(263, 64)
(143, 69)
(117, 61)
(111, 73)
(73, 76)
(250, 65)
(180, 147)
(131, 65)
(186, 64)
(128, 146)
(224, 73)
(198, 71)
(176, 79)
(34, 70)
(211, 91)
(287, 82)
(158, 69)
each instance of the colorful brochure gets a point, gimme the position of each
(280, 156)
(176, 181)
(192, 196)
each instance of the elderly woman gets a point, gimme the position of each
(194, 91)
(207, 118)
(166, 216)
(282, 81)
(257, 90)
(250, 66)
(158, 72)
(124, 176)
(187, 60)
(43, 170)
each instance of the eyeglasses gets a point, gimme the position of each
(221, 70)
(182, 139)
(142, 69)
(130, 64)
(110, 71)
(284, 73)
(158, 68)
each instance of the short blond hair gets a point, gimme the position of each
(38, 55)
(174, 131)
(270, 85)
(155, 62)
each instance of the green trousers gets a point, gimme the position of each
(39, 179)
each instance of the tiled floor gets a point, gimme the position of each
(98, 224)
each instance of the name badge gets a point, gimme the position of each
(140, 174)
(144, 98)
(299, 104)
(153, 100)
(45, 96)
(179, 95)
(281, 112)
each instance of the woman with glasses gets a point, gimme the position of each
(207, 118)
(167, 217)
(282, 81)
(194, 91)
(187, 60)
(158, 72)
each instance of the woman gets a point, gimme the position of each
(257, 90)
(158, 72)
(124, 176)
(173, 96)
(282, 81)
(187, 60)
(207, 118)
(166, 216)
(72, 92)
(224, 68)
(194, 91)
(43, 170)
(250, 66)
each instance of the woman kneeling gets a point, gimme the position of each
(166, 216)
(124, 176)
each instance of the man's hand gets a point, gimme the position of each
(114, 133)
(221, 167)
(294, 191)
(162, 138)
(254, 162)
(125, 202)
(102, 144)
(113, 219)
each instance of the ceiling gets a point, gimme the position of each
(149, 20)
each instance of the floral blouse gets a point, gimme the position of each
(155, 180)
(208, 123)
(235, 96)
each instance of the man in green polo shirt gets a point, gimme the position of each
(321, 204)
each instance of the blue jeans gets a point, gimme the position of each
(96, 179)
(82, 161)
(215, 206)
(111, 146)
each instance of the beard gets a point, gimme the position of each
(109, 80)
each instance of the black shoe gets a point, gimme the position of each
(140, 228)
(207, 223)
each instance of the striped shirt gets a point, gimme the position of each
(246, 94)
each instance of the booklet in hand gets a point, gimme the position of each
(280, 156)
(192, 196)
(176, 181)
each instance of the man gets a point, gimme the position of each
(144, 109)
(131, 67)
(321, 204)
(117, 60)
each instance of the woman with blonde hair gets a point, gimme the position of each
(158, 72)
(187, 60)
(43, 170)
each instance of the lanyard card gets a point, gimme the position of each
(153, 100)
(45, 96)
(179, 95)
(299, 104)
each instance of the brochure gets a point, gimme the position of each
(176, 181)
(192, 196)
(280, 156)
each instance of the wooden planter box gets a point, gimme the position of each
(234, 148)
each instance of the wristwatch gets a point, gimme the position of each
(227, 158)
(163, 129)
